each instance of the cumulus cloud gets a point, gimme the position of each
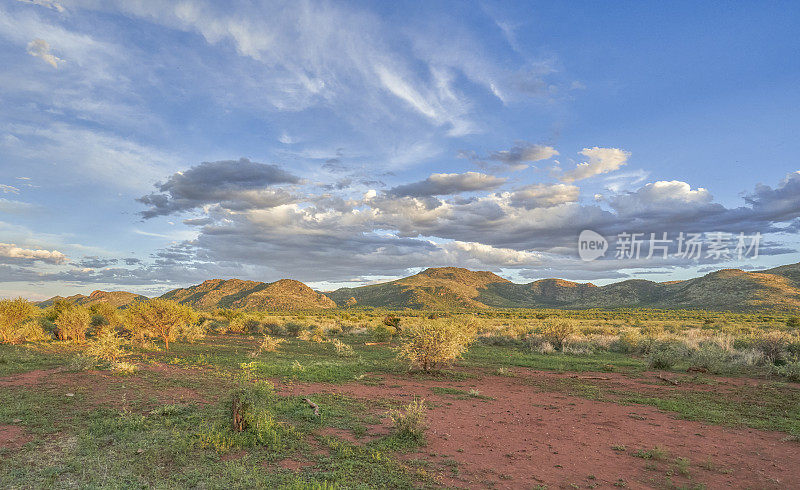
(11, 251)
(447, 184)
(544, 195)
(601, 161)
(235, 184)
(662, 196)
(41, 49)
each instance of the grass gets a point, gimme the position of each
(162, 428)
(123, 436)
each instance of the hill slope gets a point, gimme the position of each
(449, 287)
(435, 288)
(285, 294)
(117, 299)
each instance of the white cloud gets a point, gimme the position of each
(601, 161)
(545, 195)
(9, 189)
(41, 49)
(11, 251)
(664, 196)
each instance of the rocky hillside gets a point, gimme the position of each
(117, 299)
(435, 288)
(443, 288)
(285, 294)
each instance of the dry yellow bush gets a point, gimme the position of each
(434, 342)
(106, 346)
(558, 331)
(73, 322)
(13, 325)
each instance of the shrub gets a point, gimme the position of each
(13, 312)
(410, 421)
(159, 318)
(773, 344)
(191, 332)
(245, 323)
(392, 321)
(666, 354)
(252, 417)
(316, 334)
(793, 322)
(434, 342)
(73, 322)
(342, 349)
(710, 356)
(106, 346)
(268, 344)
(383, 333)
(29, 331)
(294, 328)
(747, 357)
(124, 368)
(274, 328)
(104, 315)
(629, 341)
(556, 332)
(59, 305)
(791, 371)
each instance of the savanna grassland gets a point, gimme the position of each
(160, 395)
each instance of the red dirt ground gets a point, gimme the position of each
(13, 437)
(526, 437)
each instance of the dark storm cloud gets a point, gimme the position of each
(238, 184)
(446, 184)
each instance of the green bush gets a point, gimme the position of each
(791, 371)
(383, 333)
(711, 357)
(666, 355)
(774, 345)
(294, 328)
(410, 422)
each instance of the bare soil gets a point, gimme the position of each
(525, 436)
(13, 437)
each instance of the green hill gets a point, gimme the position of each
(451, 287)
(117, 299)
(285, 294)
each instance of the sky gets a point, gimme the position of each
(149, 145)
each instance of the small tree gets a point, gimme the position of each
(14, 312)
(435, 342)
(104, 317)
(73, 322)
(159, 318)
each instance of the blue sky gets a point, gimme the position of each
(150, 145)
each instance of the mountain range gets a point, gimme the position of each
(775, 289)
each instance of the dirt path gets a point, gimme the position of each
(525, 437)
